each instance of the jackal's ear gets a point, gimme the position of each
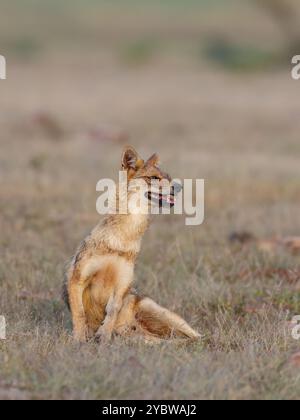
(131, 159)
(153, 160)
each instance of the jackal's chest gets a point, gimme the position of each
(108, 276)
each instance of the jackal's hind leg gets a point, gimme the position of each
(77, 309)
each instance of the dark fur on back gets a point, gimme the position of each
(64, 292)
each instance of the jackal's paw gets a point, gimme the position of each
(103, 336)
(81, 336)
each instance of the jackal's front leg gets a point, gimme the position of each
(113, 308)
(77, 309)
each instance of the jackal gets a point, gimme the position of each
(99, 283)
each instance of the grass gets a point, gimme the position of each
(238, 131)
(247, 341)
(241, 59)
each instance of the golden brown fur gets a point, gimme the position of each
(100, 278)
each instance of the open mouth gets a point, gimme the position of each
(162, 199)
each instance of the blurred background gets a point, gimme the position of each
(205, 83)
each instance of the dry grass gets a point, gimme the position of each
(64, 114)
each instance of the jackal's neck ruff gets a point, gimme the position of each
(121, 233)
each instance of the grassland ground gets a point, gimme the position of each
(64, 119)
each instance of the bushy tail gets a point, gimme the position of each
(163, 323)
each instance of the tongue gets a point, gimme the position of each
(170, 200)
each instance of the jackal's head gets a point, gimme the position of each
(146, 178)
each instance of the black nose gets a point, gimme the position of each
(177, 188)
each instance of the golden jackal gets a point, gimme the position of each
(99, 281)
